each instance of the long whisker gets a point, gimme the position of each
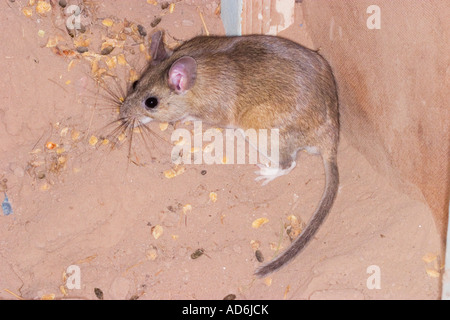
(109, 96)
(130, 129)
(153, 133)
(120, 89)
(115, 96)
(144, 130)
(112, 92)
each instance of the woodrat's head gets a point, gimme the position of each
(161, 93)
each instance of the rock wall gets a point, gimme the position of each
(394, 87)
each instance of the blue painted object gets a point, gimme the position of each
(230, 12)
(6, 206)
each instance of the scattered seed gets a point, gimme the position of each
(98, 293)
(213, 197)
(268, 281)
(93, 140)
(165, 5)
(3, 185)
(259, 222)
(64, 131)
(152, 254)
(230, 297)
(172, 173)
(72, 64)
(75, 135)
(62, 160)
(52, 41)
(111, 62)
(157, 231)
(63, 291)
(133, 76)
(28, 12)
(63, 3)
(163, 126)
(429, 257)
(204, 172)
(121, 137)
(217, 11)
(433, 273)
(48, 296)
(255, 244)
(50, 145)
(288, 288)
(121, 59)
(43, 7)
(107, 22)
(187, 208)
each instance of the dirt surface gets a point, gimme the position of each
(129, 229)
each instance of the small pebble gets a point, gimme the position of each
(41, 175)
(142, 30)
(82, 28)
(107, 50)
(198, 253)
(71, 32)
(259, 256)
(165, 5)
(155, 22)
(6, 206)
(98, 293)
(82, 49)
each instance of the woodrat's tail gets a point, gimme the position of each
(325, 204)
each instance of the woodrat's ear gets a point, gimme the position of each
(157, 50)
(182, 74)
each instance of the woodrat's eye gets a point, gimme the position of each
(151, 103)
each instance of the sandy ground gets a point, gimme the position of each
(86, 205)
